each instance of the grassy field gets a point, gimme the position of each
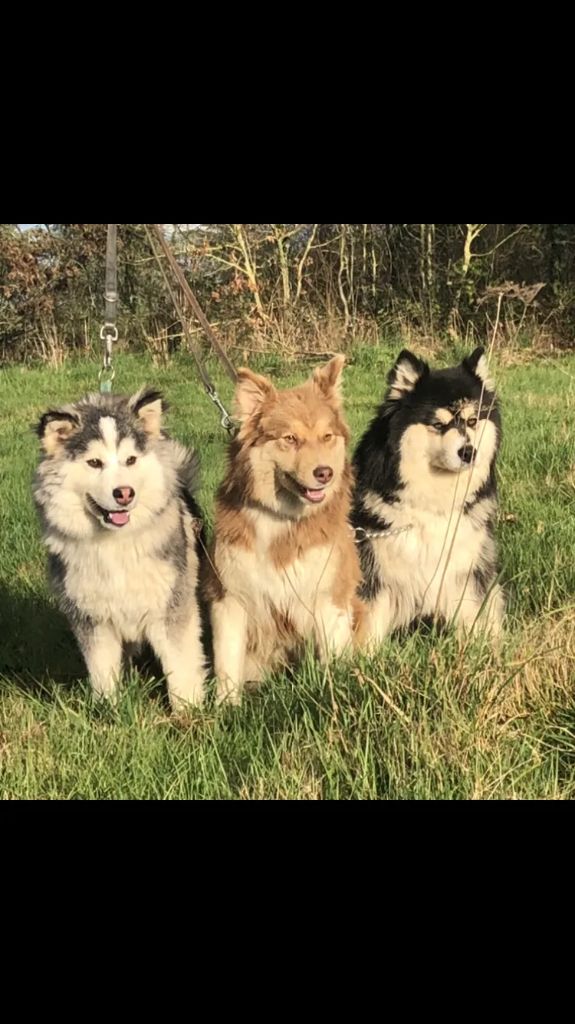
(424, 720)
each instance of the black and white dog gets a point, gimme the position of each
(426, 501)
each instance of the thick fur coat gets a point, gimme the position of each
(121, 525)
(426, 499)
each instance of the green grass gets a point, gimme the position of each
(425, 719)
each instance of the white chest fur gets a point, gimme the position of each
(428, 568)
(259, 582)
(117, 578)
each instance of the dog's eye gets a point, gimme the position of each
(131, 460)
(437, 425)
(95, 463)
(328, 437)
(472, 422)
(290, 438)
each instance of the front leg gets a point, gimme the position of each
(101, 647)
(230, 634)
(333, 628)
(378, 620)
(179, 649)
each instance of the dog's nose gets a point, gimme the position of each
(323, 474)
(123, 495)
(466, 453)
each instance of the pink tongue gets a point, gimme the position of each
(315, 496)
(119, 518)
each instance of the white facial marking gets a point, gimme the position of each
(443, 416)
(468, 411)
(109, 432)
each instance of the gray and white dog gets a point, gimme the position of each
(115, 497)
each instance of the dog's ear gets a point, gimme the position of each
(251, 392)
(149, 405)
(55, 427)
(405, 374)
(476, 364)
(328, 377)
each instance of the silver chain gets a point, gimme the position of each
(362, 535)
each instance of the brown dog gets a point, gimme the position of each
(284, 565)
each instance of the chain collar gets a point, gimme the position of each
(362, 534)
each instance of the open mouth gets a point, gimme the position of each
(112, 517)
(312, 494)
